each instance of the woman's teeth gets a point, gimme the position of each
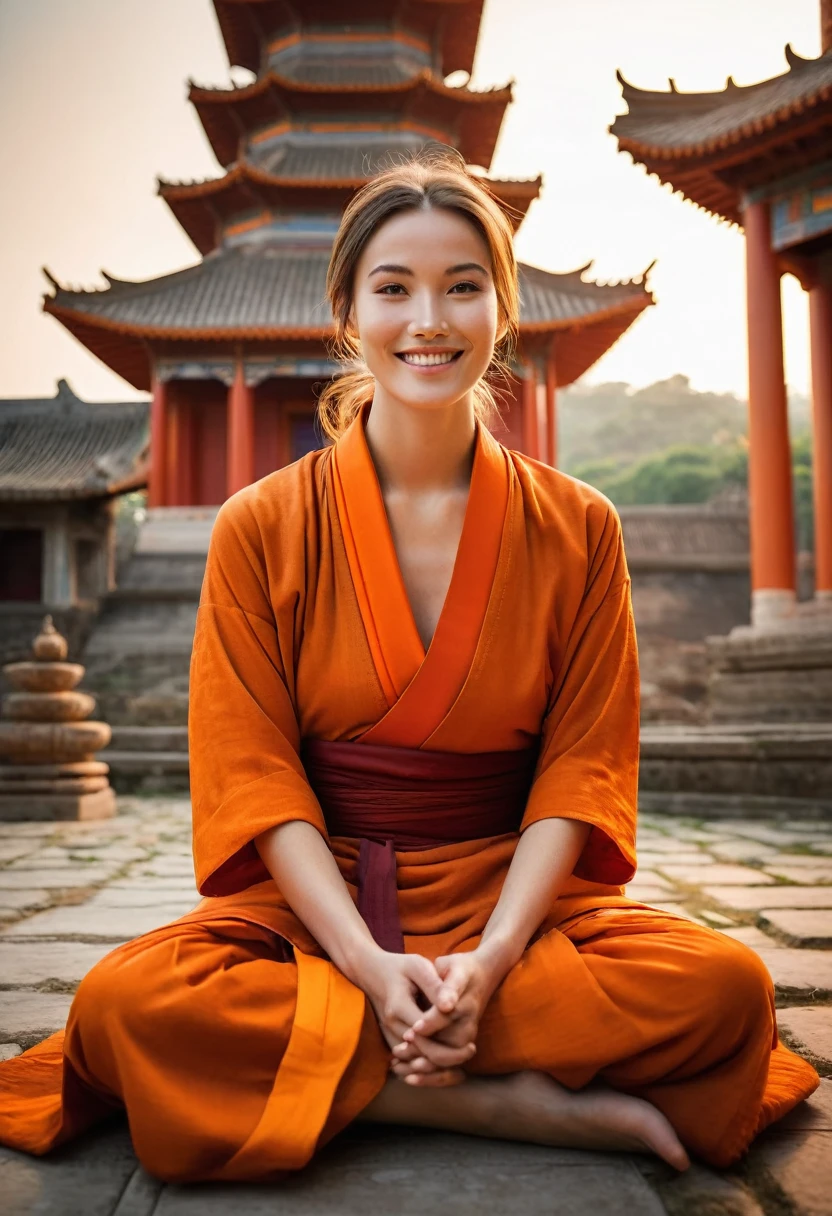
(430, 360)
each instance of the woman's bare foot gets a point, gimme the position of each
(535, 1108)
(530, 1106)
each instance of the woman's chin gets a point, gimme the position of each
(427, 396)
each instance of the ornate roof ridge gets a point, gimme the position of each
(564, 279)
(247, 168)
(647, 129)
(216, 94)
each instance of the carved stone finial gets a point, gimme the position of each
(49, 646)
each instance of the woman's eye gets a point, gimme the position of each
(391, 289)
(465, 287)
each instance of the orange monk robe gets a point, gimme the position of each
(236, 1054)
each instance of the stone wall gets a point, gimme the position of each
(690, 572)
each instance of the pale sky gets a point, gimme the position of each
(93, 106)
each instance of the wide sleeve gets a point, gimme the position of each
(588, 765)
(246, 773)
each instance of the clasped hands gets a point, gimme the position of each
(430, 1046)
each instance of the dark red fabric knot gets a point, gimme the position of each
(398, 799)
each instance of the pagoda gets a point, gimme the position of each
(233, 347)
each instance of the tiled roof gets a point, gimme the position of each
(233, 116)
(256, 290)
(337, 161)
(241, 23)
(309, 68)
(258, 293)
(292, 180)
(548, 299)
(64, 448)
(673, 124)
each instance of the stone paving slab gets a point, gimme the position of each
(751, 936)
(84, 1179)
(801, 873)
(60, 878)
(19, 899)
(42, 962)
(805, 927)
(811, 1026)
(97, 923)
(701, 1192)
(815, 1114)
(801, 1165)
(799, 972)
(750, 898)
(27, 1017)
(412, 1173)
(717, 875)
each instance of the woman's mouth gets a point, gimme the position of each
(438, 358)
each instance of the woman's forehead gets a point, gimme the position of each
(425, 238)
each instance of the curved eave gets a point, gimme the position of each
(269, 99)
(810, 108)
(135, 480)
(581, 342)
(124, 347)
(704, 189)
(461, 25)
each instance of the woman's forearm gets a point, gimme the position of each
(544, 859)
(301, 863)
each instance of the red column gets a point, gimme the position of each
(551, 413)
(157, 478)
(185, 489)
(240, 434)
(530, 427)
(820, 331)
(773, 576)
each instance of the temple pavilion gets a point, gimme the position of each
(760, 157)
(232, 347)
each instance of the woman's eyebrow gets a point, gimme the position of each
(466, 266)
(390, 268)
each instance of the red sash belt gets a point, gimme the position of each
(399, 798)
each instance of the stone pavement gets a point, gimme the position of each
(70, 892)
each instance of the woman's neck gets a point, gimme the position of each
(421, 450)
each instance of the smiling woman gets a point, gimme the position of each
(459, 304)
(414, 757)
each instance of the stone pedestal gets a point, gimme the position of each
(779, 673)
(47, 743)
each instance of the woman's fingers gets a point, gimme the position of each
(439, 1055)
(428, 1023)
(441, 994)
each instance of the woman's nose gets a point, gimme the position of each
(428, 327)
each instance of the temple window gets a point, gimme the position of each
(21, 564)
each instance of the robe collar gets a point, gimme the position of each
(420, 687)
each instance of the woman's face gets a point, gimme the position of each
(425, 307)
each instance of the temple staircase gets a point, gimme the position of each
(139, 652)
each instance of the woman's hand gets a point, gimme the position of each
(472, 978)
(394, 984)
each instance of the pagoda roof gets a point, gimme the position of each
(270, 105)
(63, 448)
(715, 146)
(203, 207)
(254, 293)
(246, 24)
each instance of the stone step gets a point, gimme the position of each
(147, 772)
(149, 739)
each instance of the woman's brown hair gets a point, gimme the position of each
(441, 181)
